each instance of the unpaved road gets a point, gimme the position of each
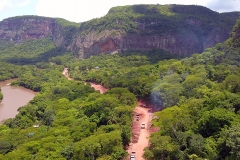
(98, 87)
(140, 136)
(65, 73)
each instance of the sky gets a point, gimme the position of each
(83, 10)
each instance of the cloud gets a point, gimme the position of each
(79, 10)
(8, 5)
(23, 3)
(73, 10)
(224, 5)
(3, 4)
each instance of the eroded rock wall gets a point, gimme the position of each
(18, 30)
(183, 42)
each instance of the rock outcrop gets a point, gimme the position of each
(179, 30)
(184, 43)
(19, 29)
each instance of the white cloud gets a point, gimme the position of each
(73, 10)
(83, 10)
(3, 4)
(223, 5)
(24, 3)
(11, 4)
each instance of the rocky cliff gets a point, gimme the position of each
(19, 29)
(183, 43)
(177, 29)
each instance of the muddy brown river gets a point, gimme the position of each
(13, 98)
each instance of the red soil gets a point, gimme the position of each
(98, 87)
(65, 73)
(140, 139)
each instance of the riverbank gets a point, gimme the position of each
(13, 98)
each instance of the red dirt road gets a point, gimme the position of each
(98, 87)
(65, 73)
(140, 136)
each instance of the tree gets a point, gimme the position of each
(163, 147)
(32, 146)
(88, 148)
(210, 148)
(1, 95)
(169, 93)
(48, 117)
(214, 120)
(229, 142)
(5, 146)
(232, 83)
(172, 120)
(82, 128)
(190, 84)
(67, 152)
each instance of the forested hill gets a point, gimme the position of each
(235, 35)
(199, 96)
(176, 29)
(204, 124)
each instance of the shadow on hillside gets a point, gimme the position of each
(153, 56)
(44, 57)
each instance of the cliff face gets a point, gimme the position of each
(18, 30)
(177, 29)
(184, 42)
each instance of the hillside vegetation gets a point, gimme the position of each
(176, 29)
(199, 98)
(159, 19)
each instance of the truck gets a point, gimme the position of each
(133, 156)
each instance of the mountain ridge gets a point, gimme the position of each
(177, 29)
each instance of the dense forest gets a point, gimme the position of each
(199, 99)
(203, 92)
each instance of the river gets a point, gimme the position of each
(13, 98)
